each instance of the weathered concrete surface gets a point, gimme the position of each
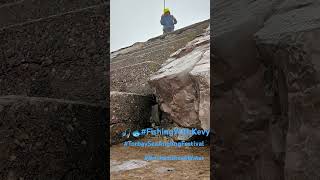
(183, 84)
(59, 57)
(43, 138)
(28, 10)
(265, 101)
(128, 111)
(133, 78)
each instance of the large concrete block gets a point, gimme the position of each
(52, 139)
(128, 111)
(59, 57)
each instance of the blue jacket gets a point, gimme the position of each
(168, 21)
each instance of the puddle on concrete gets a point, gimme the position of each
(128, 163)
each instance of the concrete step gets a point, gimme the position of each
(202, 24)
(158, 39)
(61, 56)
(134, 78)
(195, 28)
(150, 44)
(43, 138)
(151, 47)
(155, 54)
(129, 111)
(162, 40)
(26, 10)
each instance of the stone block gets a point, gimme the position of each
(54, 139)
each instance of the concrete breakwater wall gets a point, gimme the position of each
(53, 89)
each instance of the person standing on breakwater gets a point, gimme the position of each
(167, 21)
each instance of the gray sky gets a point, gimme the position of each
(139, 20)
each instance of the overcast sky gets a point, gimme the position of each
(139, 20)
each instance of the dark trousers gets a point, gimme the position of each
(167, 30)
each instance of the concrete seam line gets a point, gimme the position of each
(52, 16)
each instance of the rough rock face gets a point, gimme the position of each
(183, 84)
(265, 89)
(128, 111)
(295, 55)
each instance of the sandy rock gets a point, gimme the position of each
(182, 84)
